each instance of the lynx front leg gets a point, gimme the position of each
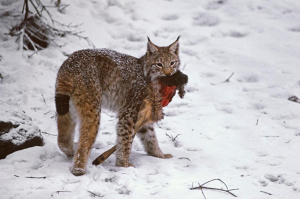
(125, 131)
(149, 140)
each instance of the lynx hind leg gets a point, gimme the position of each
(149, 140)
(65, 125)
(89, 116)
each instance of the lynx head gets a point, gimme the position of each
(161, 61)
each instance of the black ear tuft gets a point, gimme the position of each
(151, 48)
(174, 47)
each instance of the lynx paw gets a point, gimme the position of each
(161, 155)
(130, 165)
(68, 151)
(78, 171)
(124, 165)
(167, 156)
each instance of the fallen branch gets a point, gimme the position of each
(36, 31)
(201, 187)
(36, 34)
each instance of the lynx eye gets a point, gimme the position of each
(160, 65)
(173, 64)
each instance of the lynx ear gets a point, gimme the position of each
(174, 47)
(151, 48)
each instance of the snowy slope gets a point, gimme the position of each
(245, 132)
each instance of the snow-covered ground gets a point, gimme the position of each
(245, 132)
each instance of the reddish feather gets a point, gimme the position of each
(167, 94)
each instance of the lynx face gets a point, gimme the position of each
(162, 61)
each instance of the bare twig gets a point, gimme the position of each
(21, 36)
(57, 3)
(69, 25)
(26, 8)
(34, 45)
(38, 4)
(44, 177)
(266, 193)
(227, 80)
(48, 133)
(60, 7)
(184, 66)
(35, 52)
(93, 194)
(173, 138)
(201, 187)
(47, 112)
(58, 192)
(169, 136)
(184, 158)
(176, 136)
(270, 136)
(215, 180)
(37, 177)
(43, 98)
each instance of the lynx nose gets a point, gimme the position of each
(168, 72)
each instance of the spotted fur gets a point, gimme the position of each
(102, 78)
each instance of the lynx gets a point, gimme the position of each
(90, 80)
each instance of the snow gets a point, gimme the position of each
(245, 132)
